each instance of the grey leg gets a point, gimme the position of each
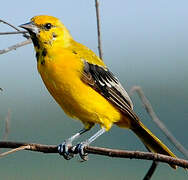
(81, 146)
(63, 148)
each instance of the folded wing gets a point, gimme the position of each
(105, 83)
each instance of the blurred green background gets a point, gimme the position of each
(144, 42)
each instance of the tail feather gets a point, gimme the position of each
(151, 141)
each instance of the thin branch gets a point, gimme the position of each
(153, 166)
(99, 151)
(14, 32)
(98, 29)
(14, 150)
(12, 26)
(157, 121)
(7, 126)
(14, 47)
(151, 171)
(33, 147)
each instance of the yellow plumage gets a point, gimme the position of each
(61, 64)
(75, 97)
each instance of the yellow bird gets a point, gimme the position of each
(83, 86)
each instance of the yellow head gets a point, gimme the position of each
(46, 31)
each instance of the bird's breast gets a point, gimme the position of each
(62, 78)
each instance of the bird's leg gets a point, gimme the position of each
(63, 148)
(80, 146)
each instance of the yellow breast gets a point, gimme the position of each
(62, 77)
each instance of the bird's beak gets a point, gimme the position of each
(30, 27)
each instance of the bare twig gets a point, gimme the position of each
(12, 26)
(14, 32)
(99, 151)
(98, 29)
(7, 126)
(33, 147)
(14, 150)
(157, 121)
(153, 166)
(14, 47)
(151, 171)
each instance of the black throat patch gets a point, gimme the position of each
(40, 56)
(35, 40)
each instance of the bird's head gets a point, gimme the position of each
(47, 31)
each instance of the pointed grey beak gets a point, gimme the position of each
(30, 27)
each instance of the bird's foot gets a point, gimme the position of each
(63, 150)
(80, 149)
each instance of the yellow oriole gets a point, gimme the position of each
(83, 86)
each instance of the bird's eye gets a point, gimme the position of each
(48, 26)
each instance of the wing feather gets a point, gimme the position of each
(105, 83)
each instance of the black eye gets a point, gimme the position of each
(48, 26)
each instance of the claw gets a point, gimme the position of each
(63, 150)
(80, 149)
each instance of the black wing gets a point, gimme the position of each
(105, 83)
